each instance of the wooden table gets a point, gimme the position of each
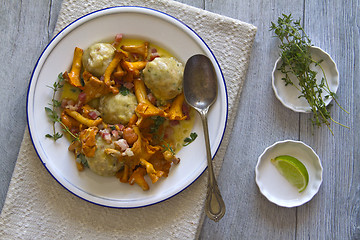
(334, 213)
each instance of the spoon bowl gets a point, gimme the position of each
(200, 91)
(200, 84)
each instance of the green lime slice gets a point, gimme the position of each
(293, 170)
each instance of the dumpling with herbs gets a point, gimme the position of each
(164, 77)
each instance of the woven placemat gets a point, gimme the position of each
(37, 207)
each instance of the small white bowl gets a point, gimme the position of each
(289, 95)
(275, 187)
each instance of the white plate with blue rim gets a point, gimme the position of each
(134, 22)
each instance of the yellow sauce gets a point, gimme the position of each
(69, 92)
(181, 131)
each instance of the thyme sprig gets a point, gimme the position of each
(167, 147)
(52, 114)
(296, 61)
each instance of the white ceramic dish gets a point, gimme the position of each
(133, 22)
(275, 187)
(288, 95)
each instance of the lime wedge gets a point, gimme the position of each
(293, 170)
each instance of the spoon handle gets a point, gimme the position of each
(214, 205)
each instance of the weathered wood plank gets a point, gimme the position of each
(194, 3)
(260, 122)
(335, 210)
(26, 27)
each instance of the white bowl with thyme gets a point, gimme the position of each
(289, 95)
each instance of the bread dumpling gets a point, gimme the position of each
(97, 58)
(164, 77)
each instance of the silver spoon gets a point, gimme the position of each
(200, 90)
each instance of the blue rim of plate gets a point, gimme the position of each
(59, 35)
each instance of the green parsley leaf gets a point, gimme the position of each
(158, 121)
(190, 139)
(124, 91)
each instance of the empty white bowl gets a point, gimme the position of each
(275, 187)
(289, 95)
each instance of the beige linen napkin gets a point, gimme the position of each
(37, 207)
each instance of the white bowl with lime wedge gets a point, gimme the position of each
(289, 173)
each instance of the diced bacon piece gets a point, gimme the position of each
(105, 134)
(74, 131)
(66, 102)
(115, 134)
(174, 122)
(151, 98)
(94, 114)
(118, 38)
(121, 145)
(82, 97)
(128, 85)
(128, 152)
(186, 110)
(107, 138)
(153, 56)
(106, 130)
(72, 107)
(169, 131)
(120, 127)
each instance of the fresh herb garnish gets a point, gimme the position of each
(124, 91)
(190, 139)
(296, 60)
(52, 114)
(158, 121)
(167, 147)
(80, 158)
